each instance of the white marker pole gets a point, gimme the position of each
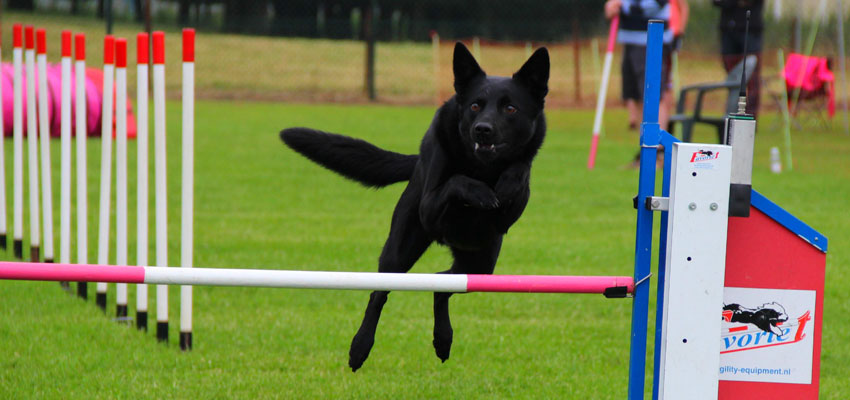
(603, 92)
(188, 182)
(3, 229)
(65, 153)
(121, 172)
(44, 133)
(82, 134)
(32, 143)
(142, 51)
(160, 181)
(105, 163)
(18, 143)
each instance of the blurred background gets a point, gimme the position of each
(325, 52)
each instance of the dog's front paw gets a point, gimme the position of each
(485, 200)
(443, 343)
(359, 352)
(513, 184)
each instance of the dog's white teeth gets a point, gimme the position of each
(492, 147)
(477, 146)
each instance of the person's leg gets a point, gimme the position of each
(634, 109)
(631, 85)
(733, 52)
(754, 88)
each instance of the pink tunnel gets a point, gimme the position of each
(94, 100)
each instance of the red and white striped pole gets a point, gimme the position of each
(44, 136)
(65, 152)
(18, 142)
(32, 143)
(611, 286)
(188, 182)
(121, 172)
(105, 162)
(3, 229)
(160, 181)
(142, 50)
(81, 108)
(603, 91)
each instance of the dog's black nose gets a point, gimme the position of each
(483, 129)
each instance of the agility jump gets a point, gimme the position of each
(693, 281)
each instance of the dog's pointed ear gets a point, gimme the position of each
(466, 69)
(535, 73)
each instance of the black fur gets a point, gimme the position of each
(354, 159)
(467, 186)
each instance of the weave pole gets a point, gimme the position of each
(81, 131)
(142, 51)
(188, 183)
(65, 152)
(32, 143)
(105, 163)
(3, 229)
(44, 141)
(121, 172)
(18, 142)
(613, 286)
(603, 91)
(160, 181)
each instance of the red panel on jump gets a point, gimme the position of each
(766, 259)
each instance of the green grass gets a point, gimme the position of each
(259, 205)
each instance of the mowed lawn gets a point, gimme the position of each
(259, 205)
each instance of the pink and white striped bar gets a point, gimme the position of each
(318, 279)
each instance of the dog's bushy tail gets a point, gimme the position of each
(352, 158)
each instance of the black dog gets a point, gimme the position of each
(766, 317)
(467, 185)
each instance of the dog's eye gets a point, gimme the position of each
(475, 107)
(510, 109)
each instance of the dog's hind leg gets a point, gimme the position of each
(362, 343)
(465, 262)
(406, 243)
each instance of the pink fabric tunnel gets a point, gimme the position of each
(94, 101)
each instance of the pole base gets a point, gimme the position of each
(83, 290)
(64, 284)
(162, 331)
(18, 246)
(34, 254)
(142, 320)
(121, 313)
(100, 300)
(185, 341)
